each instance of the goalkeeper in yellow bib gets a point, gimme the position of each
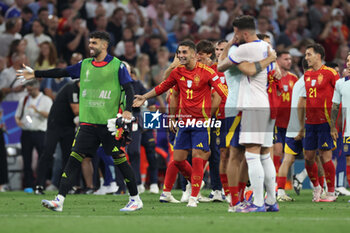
(103, 82)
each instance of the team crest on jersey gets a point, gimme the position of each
(285, 88)
(189, 83)
(320, 79)
(313, 82)
(218, 141)
(291, 83)
(222, 79)
(196, 79)
(182, 78)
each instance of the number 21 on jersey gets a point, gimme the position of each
(312, 92)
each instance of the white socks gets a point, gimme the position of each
(256, 177)
(302, 175)
(270, 178)
(60, 199)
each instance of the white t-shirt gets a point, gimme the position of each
(32, 120)
(342, 95)
(233, 78)
(8, 79)
(294, 125)
(33, 49)
(253, 90)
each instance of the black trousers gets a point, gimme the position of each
(63, 135)
(3, 160)
(29, 141)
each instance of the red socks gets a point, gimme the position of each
(197, 176)
(234, 195)
(321, 181)
(281, 182)
(329, 170)
(185, 168)
(277, 162)
(170, 176)
(312, 171)
(241, 187)
(224, 182)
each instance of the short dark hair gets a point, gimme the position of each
(262, 36)
(101, 35)
(205, 46)
(280, 53)
(332, 64)
(244, 22)
(317, 49)
(188, 43)
(41, 9)
(27, 10)
(304, 64)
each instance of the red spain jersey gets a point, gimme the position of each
(319, 87)
(220, 114)
(286, 88)
(194, 90)
(273, 88)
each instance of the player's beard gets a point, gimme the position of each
(96, 52)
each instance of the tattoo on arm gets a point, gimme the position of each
(334, 114)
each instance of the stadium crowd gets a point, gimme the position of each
(145, 34)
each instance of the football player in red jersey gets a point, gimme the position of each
(284, 61)
(319, 87)
(194, 81)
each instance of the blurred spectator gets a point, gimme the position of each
(175, 7)
(263, 25)
(52, 32)
(334, 34)
(15, 9)
(181, 33)
(31, 115)
(151, 46)
(290, 36)
(319, 14)
(233, 10)
(296, 61)
(9, 85)
(282, 16)
(157, 70)
(43, 16)
(128, 34)
(131, 22)
(153, 7)
(3, 152)
(27, 21)
(66, 20)
(40, 4)
(266, 10)
(2, 22)
(250, 8)
(47, 57)
(130, 55)
(17, 46)
(303, 26)
(143, 69)
(187, 17)
(115, 24)
(340, 57)
(210, 15)
(51, 86)
(76, 57)
(77, 40)
(34, 40)
(13, 26)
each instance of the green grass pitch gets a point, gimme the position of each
(20, 212)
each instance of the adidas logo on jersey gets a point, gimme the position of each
(115, 149)
(182, 78)
(325, 144)
(200, 145)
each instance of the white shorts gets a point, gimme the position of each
(256, 127)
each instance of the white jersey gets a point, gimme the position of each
(342, 95)
(253, 90)
(233, 78)
(294, 125)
